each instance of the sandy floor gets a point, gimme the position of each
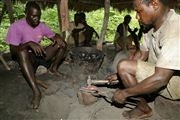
(59, 101)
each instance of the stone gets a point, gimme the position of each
(86, 98)
(41, 70)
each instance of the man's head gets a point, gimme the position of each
(33, 13)
(80, 18)
(135, 30)
(149, 11)
(127, 19)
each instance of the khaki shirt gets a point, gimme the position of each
(163, 45)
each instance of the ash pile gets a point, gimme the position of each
(88, 60)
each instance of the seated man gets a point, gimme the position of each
(76, 30)
(24, 37)
(121, 36)
(80, 32)
(88, 33)
(160, 47)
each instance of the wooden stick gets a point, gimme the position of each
(42, 84)
(4, 63)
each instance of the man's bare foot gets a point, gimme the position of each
(137, 113)
(36, 101)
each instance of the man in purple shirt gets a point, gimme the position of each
(24, 37)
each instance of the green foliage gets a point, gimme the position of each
(50, 17)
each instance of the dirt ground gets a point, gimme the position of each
(59, 101)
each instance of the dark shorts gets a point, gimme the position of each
(36, 60)
(39, 60)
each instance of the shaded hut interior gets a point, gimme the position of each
(79, 5)
(82, 5)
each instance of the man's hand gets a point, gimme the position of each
(37, 49)
(112, 77)
(57, 39)
(119, 97)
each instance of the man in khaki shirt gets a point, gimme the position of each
(156, 67)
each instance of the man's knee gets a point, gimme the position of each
(22, 53)
(122, 65)
(127, 66)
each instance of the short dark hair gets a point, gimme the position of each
(127, 17)
(82, 15)
(31, 4)
(164, 2)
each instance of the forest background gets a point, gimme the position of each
(50, 17)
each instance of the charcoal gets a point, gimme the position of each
(88, 59)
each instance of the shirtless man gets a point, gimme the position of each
(121, 37)
(81, 33)
(24, 37)
(89, 31)
(160, 47)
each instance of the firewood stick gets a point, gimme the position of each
(42, 84)
(4, 63)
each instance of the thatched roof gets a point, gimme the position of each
(87, 5)
(90, 5)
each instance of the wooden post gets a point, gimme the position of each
(105, 24)
(59, 19)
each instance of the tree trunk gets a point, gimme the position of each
(105, 24)
(8, 5)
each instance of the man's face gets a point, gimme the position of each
(76, 19)
(127, 21)
(33, 17)
(144, 13)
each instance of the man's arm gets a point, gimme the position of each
(36, 48)
(151, 84)
(77, 30)
(95, 33)
(120, 29)
(57, 39)
(129, 29)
